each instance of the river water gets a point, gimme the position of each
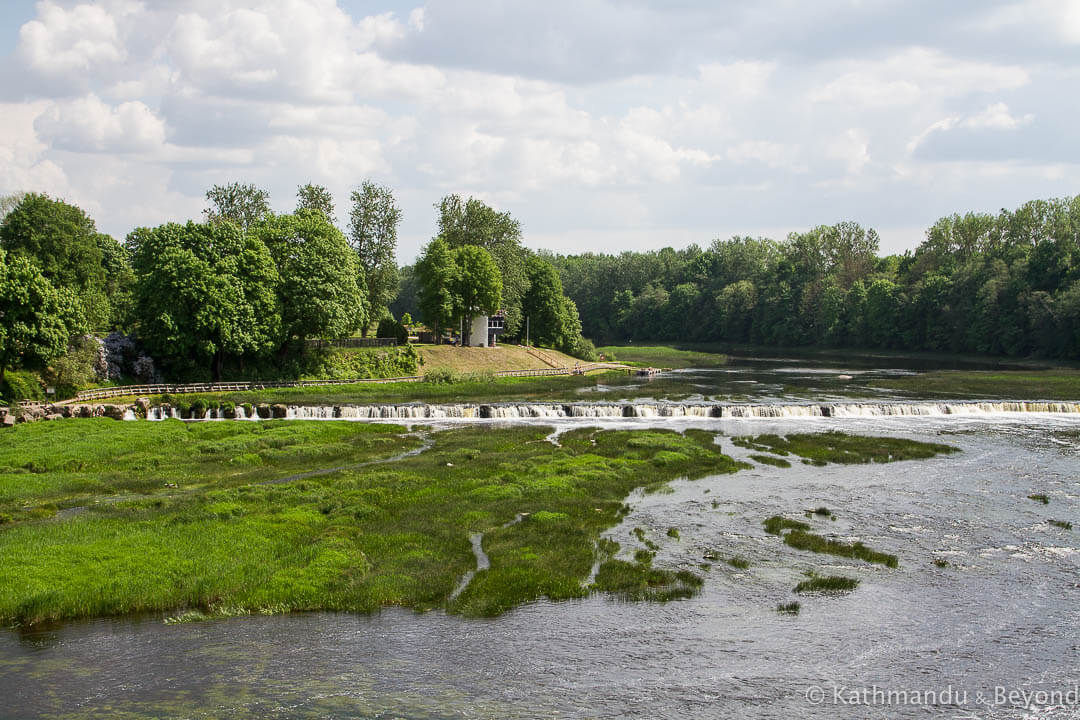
(995, 633)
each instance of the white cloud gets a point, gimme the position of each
(1060, 18)
(993, 117)
(89, 125)
(912, 77)
(743, 78)
(60, 41)
(22, 162)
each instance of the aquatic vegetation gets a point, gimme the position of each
(827, 584)
(941, 562)
(1050, 384)
(770, 460)
(835, 447)
(1064, 525)
(1040, 498)
(822, 512)
(662, 356)
(638, 581)
(801, 540)
(789, 608)
(738, 562)
(778, 523)
(673, 532)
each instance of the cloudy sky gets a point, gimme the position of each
(602, 125)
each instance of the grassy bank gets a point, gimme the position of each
(662, 356)
(1051, 384)
(479, 359)
(214, 519)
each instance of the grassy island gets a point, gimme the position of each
(191, 520)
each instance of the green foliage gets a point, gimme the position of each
(63, 243)
(243, 205)
(390, 328)
(1006, 284)
(204, 291)
(827, 584)
(373, 223)
(472, 222)
(21, 385)
(477, 284)
(436, 276)
(789, 608)
(321, 289)
(1040, 498)
(317, 198)
(356, 363)
(76, 368)
(36, 317)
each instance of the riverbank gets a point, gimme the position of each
(232, 518)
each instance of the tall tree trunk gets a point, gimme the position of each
(216, 366)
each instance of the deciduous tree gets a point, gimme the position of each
(373, 223)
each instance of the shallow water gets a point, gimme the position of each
(1003, 613)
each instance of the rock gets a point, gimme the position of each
(142, 405)
(264, 411)
(8, 420)
(279, 411)
(486, 412)
(54, 416)
(116, 412)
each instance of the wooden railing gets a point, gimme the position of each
(353, 342)
(162, 389)
(541, 356)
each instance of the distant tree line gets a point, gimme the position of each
(1005, 284)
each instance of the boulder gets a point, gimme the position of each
(54, 416)
(116, 412)
(142, 405)
(279, 411)
(8, 420)
(264, 411)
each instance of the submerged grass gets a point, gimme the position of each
(827, 584)
(1040, 499)
(801, 540)
(836, 447)
(778, 523)
(232, 539)
(789, 608)
(1064, 525)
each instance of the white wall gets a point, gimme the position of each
(478, 334)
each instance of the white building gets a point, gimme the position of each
(486, 329)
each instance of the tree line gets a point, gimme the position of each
(1004, 284)
(244, 285)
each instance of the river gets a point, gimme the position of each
(993, 634)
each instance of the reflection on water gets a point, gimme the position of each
(1003, 612)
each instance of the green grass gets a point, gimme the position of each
(777, 524)
(230, 541)
(770, 460)
(662, 356)
(1052, 384)
(827, 584)
(738, 562)
(801, 540)
(1040, 499)
(790, 608)
(835, 447)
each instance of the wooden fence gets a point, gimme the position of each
(162, 389)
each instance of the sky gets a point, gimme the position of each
(601, 125)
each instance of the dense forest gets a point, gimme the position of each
(1005, 284)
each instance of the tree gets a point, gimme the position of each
(9, 203)
(477, 286)
(373, 223)
(319, 291)
(242, 204)
(204, 291)
(472, 222)
(36, 317)
(542, 303)
(64, 244)
(436, 276)
(316, 197)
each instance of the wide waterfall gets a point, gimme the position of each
(519, 410)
